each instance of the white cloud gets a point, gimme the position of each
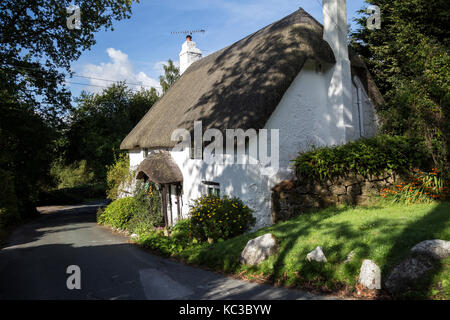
(119, 69)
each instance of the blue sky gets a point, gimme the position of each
(137, 47)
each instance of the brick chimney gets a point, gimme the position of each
(335, 30)
(189, 54)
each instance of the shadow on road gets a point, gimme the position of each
(34, 262)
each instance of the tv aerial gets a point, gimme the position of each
(189, 31)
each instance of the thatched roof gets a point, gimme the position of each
(237, 87)
(159, 168)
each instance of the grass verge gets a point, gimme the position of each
(384, 233)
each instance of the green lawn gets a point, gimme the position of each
(384, 233)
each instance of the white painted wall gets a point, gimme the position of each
(304, 116)
(136, 157)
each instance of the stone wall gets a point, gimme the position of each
(293, 197)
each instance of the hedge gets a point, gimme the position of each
(370, 156)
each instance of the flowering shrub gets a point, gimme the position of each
(219, 218)
(424, 187)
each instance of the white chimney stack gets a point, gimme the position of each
(189, 54)
(335, 30)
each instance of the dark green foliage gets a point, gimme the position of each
(101, 121)
(409, 59)
(219, 218)
(9, 211)
(27, 149)
(143, 220)
(366, 157)
(73, 195)
(182, 230)
(147, 193)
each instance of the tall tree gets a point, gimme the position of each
(409, 58)
(36, 44)
(100, 122)
(36, 49)
(171, 74)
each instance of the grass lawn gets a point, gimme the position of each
(384, 233)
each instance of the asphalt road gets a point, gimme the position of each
(33, 265)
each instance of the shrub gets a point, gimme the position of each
(119, 212)
(371, 156)
(101, 216)
(423, 188)
(181, 232)
(179, 239)
(158, 242)
(117, 175)
(142, 220)
(73, 175)
(219, 218)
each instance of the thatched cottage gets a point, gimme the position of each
(295, 76)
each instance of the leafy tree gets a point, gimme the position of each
(409, 58)
(26, 141)
(36, 49)
(100, 122)
(171, 74)
(35, 44)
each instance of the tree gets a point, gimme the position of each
(409, 59)
(100, 122)
(26, 141)
(171, 74)
(35, 44)
(36, 49)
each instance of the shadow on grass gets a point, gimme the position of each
(431, 226)
(390, 233)
(383, 239)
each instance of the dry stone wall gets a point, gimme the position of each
(293, 197)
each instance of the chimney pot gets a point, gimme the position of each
(189, 54)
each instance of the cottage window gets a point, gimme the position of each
(211, 188)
